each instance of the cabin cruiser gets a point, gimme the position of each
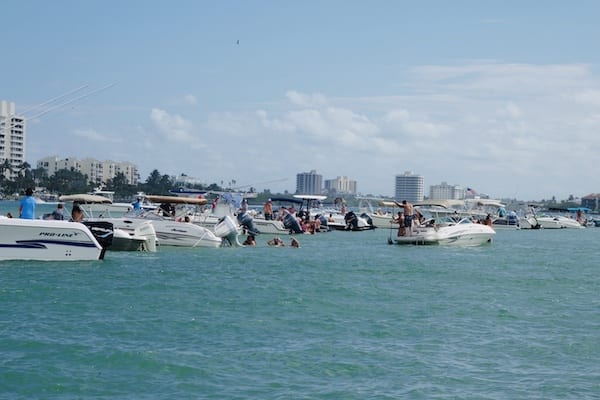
(52, 240)
(461, 233)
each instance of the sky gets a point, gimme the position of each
(502, 97)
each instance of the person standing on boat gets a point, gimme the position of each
(27, 205)
(268, 210)
(137, 205)
(408, 216)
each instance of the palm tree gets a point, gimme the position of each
(6, 165)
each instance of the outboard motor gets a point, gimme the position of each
(247, 222)
(103, 232)
(369, 220)
(290, 222)
(227, 230)
(351, 221)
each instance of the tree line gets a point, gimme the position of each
(71, 181)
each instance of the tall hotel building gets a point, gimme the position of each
(309, 183)
(409, 187)
(12, 138)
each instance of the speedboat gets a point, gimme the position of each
(558, 222)
(128, 235)
(463, 233)
(51, 240)
(174, 225)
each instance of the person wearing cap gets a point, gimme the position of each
(27, 205)
(268, 210)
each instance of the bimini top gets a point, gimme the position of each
(85, 199)
(286, 200)
(175, 199)
(310, 197)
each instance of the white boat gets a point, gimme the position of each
(175, 227)
(47, 240)
(128, 235)
(558, 222)
(383, 216)
(108, 207)
(337, 217)
(225, 206)
(463, 233)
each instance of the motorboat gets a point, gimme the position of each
(174, 226)
(128, 235)
(337, 217)
(383, 216)
(224, 206)
(108, 207)
(462, 233)
(558, 222)
(52, 240)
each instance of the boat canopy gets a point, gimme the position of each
(310, 197)
(85, 199)
(449, 203)
(175, 199)
(286, 200)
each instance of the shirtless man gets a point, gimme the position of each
(408, 216)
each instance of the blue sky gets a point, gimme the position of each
(503, 97)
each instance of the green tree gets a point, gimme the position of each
(158, 184)
(66, 181)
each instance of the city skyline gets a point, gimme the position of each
(500, 97)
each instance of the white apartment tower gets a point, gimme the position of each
(340, 185)
(12, 139)
(98, 172)
(409, 187)
(444, 191)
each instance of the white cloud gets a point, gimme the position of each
(190, 99)
(174, 128)
(93, 135)
(504, 129)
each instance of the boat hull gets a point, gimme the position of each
(466, 234)
(47, 240)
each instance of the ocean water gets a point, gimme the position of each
(345, 316)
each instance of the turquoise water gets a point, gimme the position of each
(345, 316)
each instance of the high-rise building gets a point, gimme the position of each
(340, 185)
(309, 183)
(12, 139)
(444, 191)
(409, 187)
